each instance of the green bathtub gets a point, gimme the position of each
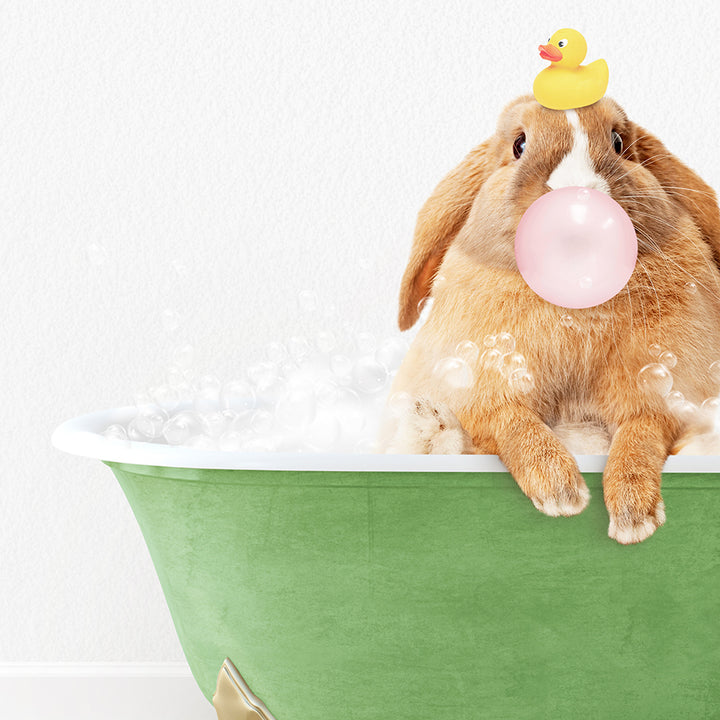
(424, 587)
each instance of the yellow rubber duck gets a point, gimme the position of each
(567, 84)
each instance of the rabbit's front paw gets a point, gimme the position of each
(630, 524)
(428, 427)
(562, 497)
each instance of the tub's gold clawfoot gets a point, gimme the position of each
(233, 699)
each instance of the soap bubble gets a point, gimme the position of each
(201, 442)
(175, 376)
(391, 352)
(511, 362)
(325, 341)
(234, 420)
(207, 395)
(686, 412)
(369, 375)
(365, 342)
(276, 352)
(566, 320)
(150, 421)
(349, 412)
(170, 320)
(668, 359)
(184, 356)
(284, 369)
(260, 444)
(313, 402)
(711, 407)
(655, 378)
(231, 440)
(214, 424)
(365, 446)
(324, 432)
(715, 372)
(400, 403)
(307, 300)
(454, 372)
(263, 375)
(181, 427)
(326, 393)
(181, 270)
(275, 392)
(299, 347)
(262, 421)
(142, 399)
(136, 433)
(490, 341)
(297, 408)
(308, 370)
(166, 397)
(468, 351)
(505, 343)
(116, 433)
(491, 358)
(341, 366)
(522, 380)
(237, 395)
(690, 288)
(185, 391)
(675, 399)
(655, 350)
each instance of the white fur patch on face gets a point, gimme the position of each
(576, 168)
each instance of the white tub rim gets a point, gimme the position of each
(83, 436)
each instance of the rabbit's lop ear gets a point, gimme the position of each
(438, 223)
(682, 184)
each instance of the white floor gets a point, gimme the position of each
(101, 692)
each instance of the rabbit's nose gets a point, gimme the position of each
(576, 168)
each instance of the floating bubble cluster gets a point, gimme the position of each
(324, 393)
(458, 371)
(501, 355)
(655, 378)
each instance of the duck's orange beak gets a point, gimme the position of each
(550, 52)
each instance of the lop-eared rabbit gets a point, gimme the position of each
(570, 366)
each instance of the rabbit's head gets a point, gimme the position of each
(534, 151)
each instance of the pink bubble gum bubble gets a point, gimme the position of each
(576, 247)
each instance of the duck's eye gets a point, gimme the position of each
(519, 146)
(617, 142)
(562, 43)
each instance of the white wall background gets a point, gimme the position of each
(268, 147)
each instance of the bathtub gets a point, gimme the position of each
(364, 587)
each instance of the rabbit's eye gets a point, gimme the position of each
(519, 145)
(617, 142)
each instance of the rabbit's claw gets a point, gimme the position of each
(566, 500)
(629, 526)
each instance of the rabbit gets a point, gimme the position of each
(582, 364)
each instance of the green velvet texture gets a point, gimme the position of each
(443, 596)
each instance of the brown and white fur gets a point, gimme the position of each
(586, 370)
